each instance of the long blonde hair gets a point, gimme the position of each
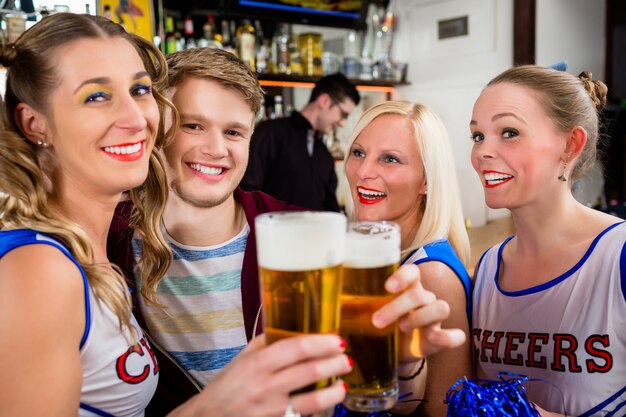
(442, 215)
(26, 169)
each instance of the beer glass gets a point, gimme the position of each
(372, 255)
(300, 256)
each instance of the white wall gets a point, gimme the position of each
(448, 75)
(572, 30)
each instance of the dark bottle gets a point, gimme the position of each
(210, 38)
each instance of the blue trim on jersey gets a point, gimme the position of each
(207, 360)
(442, 251)
(11, 239)
(619, 407)
(500, 250)
(604, 404)
(95, 410)
(480, 261)
(554, 281)
(622, 270)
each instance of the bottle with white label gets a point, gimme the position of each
(246, 41)
(278, 106)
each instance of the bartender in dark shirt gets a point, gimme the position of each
(288, 159)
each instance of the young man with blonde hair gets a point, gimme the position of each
(211, 291)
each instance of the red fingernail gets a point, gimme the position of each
(345, 386)
(350, 361)
(342, 343)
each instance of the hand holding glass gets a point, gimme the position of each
(300, 256)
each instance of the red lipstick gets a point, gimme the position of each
(126, 157)
(371, 198)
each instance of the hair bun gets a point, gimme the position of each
(8, 54)
(596, 89)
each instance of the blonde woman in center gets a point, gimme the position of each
(400, 168)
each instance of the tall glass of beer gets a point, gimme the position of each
(372, 255)
(300, 256)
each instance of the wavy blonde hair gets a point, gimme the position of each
(442, 215)
(26, 169)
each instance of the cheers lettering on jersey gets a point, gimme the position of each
(558, 352)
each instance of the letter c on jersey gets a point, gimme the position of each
(123, 373)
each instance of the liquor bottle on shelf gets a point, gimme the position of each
(351, 60)
(260, 116)
(190, 41)
(278, 107)
(217, 36)
(170, 37)
(246, 40)
(386, 62)
(233, 36)
(179, 26)
(280, 50)
(210, 37)
(262, 49)
(295, 59)
(259, 36)
(227, 37)
(311, 50)
(263, 57)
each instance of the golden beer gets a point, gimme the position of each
(298, 302)
(300, 256)
(372, 255)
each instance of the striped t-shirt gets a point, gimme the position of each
(202, 325)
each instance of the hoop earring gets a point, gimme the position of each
(562, 176)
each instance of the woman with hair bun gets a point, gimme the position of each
(549, 302)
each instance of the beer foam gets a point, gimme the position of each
(372, 250)
(300, 241)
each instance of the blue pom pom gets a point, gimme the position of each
(482, 398)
